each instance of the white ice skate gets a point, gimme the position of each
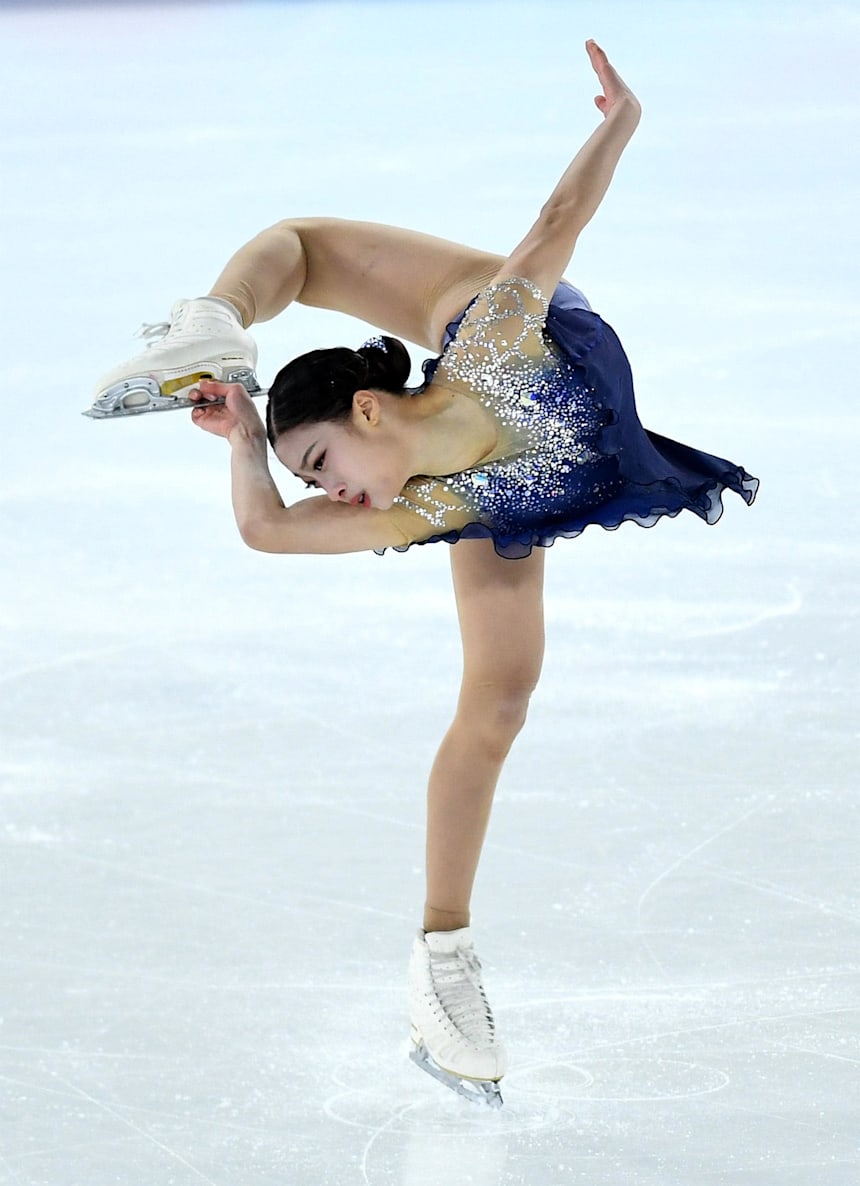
(204, 339)
(453, 1032)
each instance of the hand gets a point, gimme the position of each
(616, 93)
(236, 413)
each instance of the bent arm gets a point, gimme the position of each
(314, 525)
(547, 249)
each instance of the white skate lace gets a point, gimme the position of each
(457, 981)
(153, 332)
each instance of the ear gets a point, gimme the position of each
(366, 408)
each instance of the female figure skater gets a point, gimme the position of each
(524, 430)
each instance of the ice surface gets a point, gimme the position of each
(211, 828)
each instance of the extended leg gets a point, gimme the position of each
(500, 608)
(402, 281)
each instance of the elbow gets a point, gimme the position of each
(257, 534)
(561, 218)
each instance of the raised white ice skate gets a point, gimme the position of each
(453, 1031)
(204, 339)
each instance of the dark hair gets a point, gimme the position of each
(320, 385)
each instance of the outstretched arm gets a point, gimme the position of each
(546, 250)
(411, 284)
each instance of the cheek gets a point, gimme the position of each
(391, 467)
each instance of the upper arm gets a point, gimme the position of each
(404, 282)
(317, 525)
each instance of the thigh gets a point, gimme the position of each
(500, 607)
(405, 282)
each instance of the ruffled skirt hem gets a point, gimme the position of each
(657, 500)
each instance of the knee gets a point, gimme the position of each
(495, 714)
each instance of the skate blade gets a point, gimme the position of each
(135, 396)
(479, 1091)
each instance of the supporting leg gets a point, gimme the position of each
(500, 608)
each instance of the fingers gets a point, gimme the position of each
(209, 390)
(223, 407)
(198, 395)
(601, 64)
(210, 401)
(215, 387)
(598, 57)
(616, 93)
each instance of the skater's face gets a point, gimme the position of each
(356, 460)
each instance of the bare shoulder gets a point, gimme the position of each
(404, 282)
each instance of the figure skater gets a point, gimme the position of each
(524, 430)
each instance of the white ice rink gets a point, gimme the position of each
(212, 762)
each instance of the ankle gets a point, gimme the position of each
(239, 308)
(445, 920)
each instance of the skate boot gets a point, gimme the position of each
(453, 1032)
(204, 339)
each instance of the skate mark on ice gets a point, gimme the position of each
(13, 1177)
(375, 745)
(434, 1109)
(640, 1080)
(822, 1054)
(229, 895)
(374, 1137)
(787, 895)
(787, 609)
(49, 665)
(576, 1057)
(673, 867)
(73, 1095)
(80, 1093)
(376, 816)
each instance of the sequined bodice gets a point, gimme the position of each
(547, 415)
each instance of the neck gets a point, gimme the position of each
(445, 432)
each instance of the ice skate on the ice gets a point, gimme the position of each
(453, 1031)
(204, 339)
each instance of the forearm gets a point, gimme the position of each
(582, 187)
(545, 252)
(256, 501)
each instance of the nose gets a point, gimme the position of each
(337, 492)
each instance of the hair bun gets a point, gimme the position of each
(388, 363)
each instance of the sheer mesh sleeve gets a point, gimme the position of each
(503, 327)
(428, 506)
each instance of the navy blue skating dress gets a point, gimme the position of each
(571, 450)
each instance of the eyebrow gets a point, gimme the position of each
(308, 451)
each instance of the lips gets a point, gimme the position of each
(361, 500)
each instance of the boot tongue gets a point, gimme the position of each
(447, 942)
